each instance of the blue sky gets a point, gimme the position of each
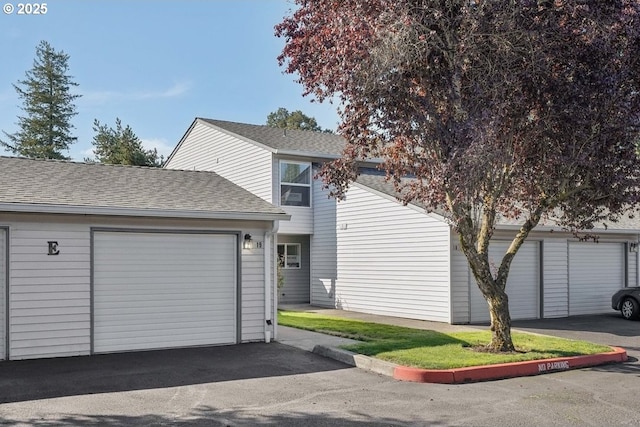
(158, 64)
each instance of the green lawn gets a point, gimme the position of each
(434, 350)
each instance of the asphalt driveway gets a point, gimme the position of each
(276, 385)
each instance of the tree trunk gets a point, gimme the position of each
(500, 323)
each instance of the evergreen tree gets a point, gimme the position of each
(121, 146)
(45, 129)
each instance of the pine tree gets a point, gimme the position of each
(121, 146)
(45, 129)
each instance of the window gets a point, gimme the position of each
(295, 184)
(289, 255)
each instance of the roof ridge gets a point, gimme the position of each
(100, 164)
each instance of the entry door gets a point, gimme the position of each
(163, 290)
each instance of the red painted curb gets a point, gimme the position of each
(506, 370)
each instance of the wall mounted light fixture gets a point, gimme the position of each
(633, 247)
(248, 242)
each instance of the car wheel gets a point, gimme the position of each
(630, 309)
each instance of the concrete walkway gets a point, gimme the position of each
(328, 346)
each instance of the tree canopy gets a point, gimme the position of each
(48, 104)
(521, 109)
(121, 146)
(282, 118)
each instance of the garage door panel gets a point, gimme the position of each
(161, 290)
(523, 283)
(596, 271)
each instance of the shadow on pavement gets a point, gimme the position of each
(208, 416)
(70, 376)
(612, 324)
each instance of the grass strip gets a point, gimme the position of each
(435, 350)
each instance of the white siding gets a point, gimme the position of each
(460, 284)
(252, 293)
(323, 248)
(632, 262)
(555, 278)
(392, 260)
(3, 293)
(49, 295)
(241, 162)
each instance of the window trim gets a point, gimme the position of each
(286, 255)
(294, 184)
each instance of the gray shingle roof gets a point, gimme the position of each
(291, 141)
(93, 185)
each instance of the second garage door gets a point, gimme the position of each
(163, 290)
(523, 284)
(596, 271)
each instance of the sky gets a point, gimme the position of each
(157, 65)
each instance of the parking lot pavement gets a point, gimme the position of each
(607, 329)
(277, 385)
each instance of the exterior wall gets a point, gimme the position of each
(241, 162)
(323, 248)
(391, 259)
(301, 217)
(555, 278)
(632, 263)
(460, 285)
(555, 273)
(296, 281)
(3, 293)
(50, 296)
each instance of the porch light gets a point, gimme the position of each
(633, 247)
(248, 242)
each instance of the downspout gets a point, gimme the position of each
(269, 308)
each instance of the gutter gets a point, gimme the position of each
(269, 308)
(120, 211)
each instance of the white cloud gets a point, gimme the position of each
(103, 97)
(162, 145)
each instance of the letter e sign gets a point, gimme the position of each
(53, 248)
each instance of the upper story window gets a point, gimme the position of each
(295, 183)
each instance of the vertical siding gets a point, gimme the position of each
(296, 281)
(3, 293)
(555, 278)
(323, 248)
(49, 297)
(460, 282)
(242, 163)
(392, 260)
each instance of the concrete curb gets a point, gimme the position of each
(472, 374)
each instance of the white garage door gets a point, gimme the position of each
(596, 271)
(523, 284)
(162, 290)
(3, 293)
